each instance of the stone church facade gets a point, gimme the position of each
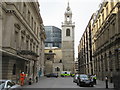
(68, 41)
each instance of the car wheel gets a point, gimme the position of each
(80, 85)
(91, 85)
(77, 84)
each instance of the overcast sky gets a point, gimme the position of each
(52, 12)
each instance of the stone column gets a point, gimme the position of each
(1, 42)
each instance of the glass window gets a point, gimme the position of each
(16, 39)
(83, 76)
(106, 10)
(14, 69)
(103, 16)
(28, 16)
(27, 44)
(24, 10)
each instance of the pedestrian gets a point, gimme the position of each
(39, 73)
(22, 78)
(94, 79)
(36, 79)
(30, 81)
(106, 81)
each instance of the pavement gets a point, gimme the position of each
(66, 82)
(103, 84)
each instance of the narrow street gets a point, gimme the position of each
(60, 38)
(66, 82)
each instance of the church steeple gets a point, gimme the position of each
(68, 8)
(68, 15)
(68, 41)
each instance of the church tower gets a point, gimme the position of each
(68, 41)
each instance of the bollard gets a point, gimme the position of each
(106, 81)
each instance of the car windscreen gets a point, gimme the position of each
(54, 73)
(83, 76)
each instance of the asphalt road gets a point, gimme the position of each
(66, 82)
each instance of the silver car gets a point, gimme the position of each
(8, 84)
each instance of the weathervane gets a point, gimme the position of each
(68, 3)
(68, 8)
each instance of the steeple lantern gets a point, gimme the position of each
(68, 15)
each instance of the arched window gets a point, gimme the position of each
(68, 32)
(57, 69)
(50, 51)
(60, 61)
(14, 69)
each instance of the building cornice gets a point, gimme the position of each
(15, 12)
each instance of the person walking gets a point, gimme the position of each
(22, 78)
(106, 81)
(94, 79)
(36, 79)
(39, 73)
(30, 81)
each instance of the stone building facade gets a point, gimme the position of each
(68, 41)
(85, 51)
(76, 67)
(105, 36)
(53, 60)
(106, 40)
(22, 39)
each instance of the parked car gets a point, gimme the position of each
(83, 80)
(52, 75)
(8, 84)
(65, 73)
(75, 78)
(72, 74)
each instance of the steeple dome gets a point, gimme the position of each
(68, 15)
(68, 10)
